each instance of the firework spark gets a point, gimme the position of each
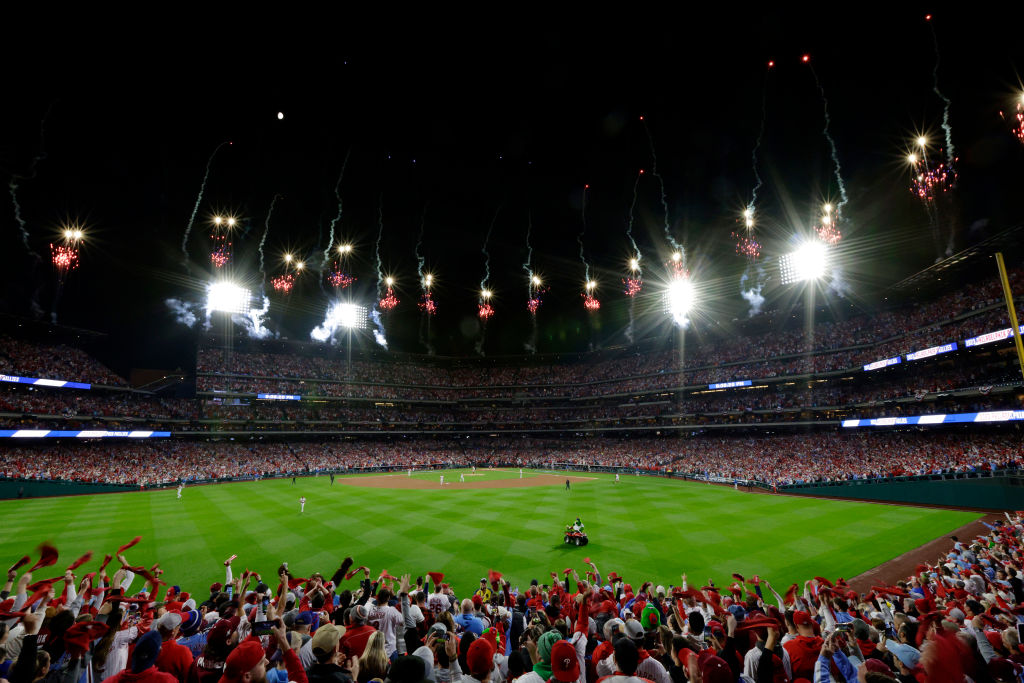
(747, 246)
(340, 279)
(283, 283)
(827, 231)
(929, 179)
(633, 285)
(427, 304)
(1018, 125)
(220, 235)
(485, 311)
(389, 300)
(64, 257)
(590, 301)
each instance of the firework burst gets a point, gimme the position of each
(827, 231)
(64, 257)
(388, 301)
(929, 179)
(1018, 120)
(338, 278)
(485, 311)
(591, 302)
(283, 284)
(632, 286)
(747, 246)
(427, 304)
(220, 235)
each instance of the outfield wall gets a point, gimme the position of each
(999, 492)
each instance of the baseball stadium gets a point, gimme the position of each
(478, 355)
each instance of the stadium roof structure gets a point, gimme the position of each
(960, 261)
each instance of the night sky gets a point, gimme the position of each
(455, 123)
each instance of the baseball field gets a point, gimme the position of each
(640, 527)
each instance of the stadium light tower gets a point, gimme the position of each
(808, 262)
(679, 299)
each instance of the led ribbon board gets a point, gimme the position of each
(44, 382)
(730, 385)
(951, 418)
(80, 434)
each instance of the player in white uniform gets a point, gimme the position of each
(302, 504)
(520, 472)
(442, 480)
(462, 477)
(180, 487)
(616, 477)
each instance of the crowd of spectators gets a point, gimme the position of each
(56, 361)
(952, 621)
(777, 460)
(766, 357)
(963, 383)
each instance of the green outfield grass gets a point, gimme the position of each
(643, 527)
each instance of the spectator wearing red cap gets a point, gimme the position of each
(247, 663)
(803, 648)
(480, 660)
(175, 659)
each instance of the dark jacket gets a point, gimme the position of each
(327, 673)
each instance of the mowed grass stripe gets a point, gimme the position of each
(642, 527)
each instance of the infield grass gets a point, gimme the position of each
(642, 527)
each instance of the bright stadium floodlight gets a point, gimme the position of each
(228, 298)
(340, 315)
(679, 299)
(808, 262)
(350, 316)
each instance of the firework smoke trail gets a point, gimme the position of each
(483, 283)
(33, 168)
(263, 239)
(337, 216)
(583, 230)
(636, 252)
(947, 127)
(195, 209)
(420, 261)
(754, 276)
(378, 333)
(832, 146)
(531, 343)
(758, 181)
(661, 184)
(380, 235)
(483, 250)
